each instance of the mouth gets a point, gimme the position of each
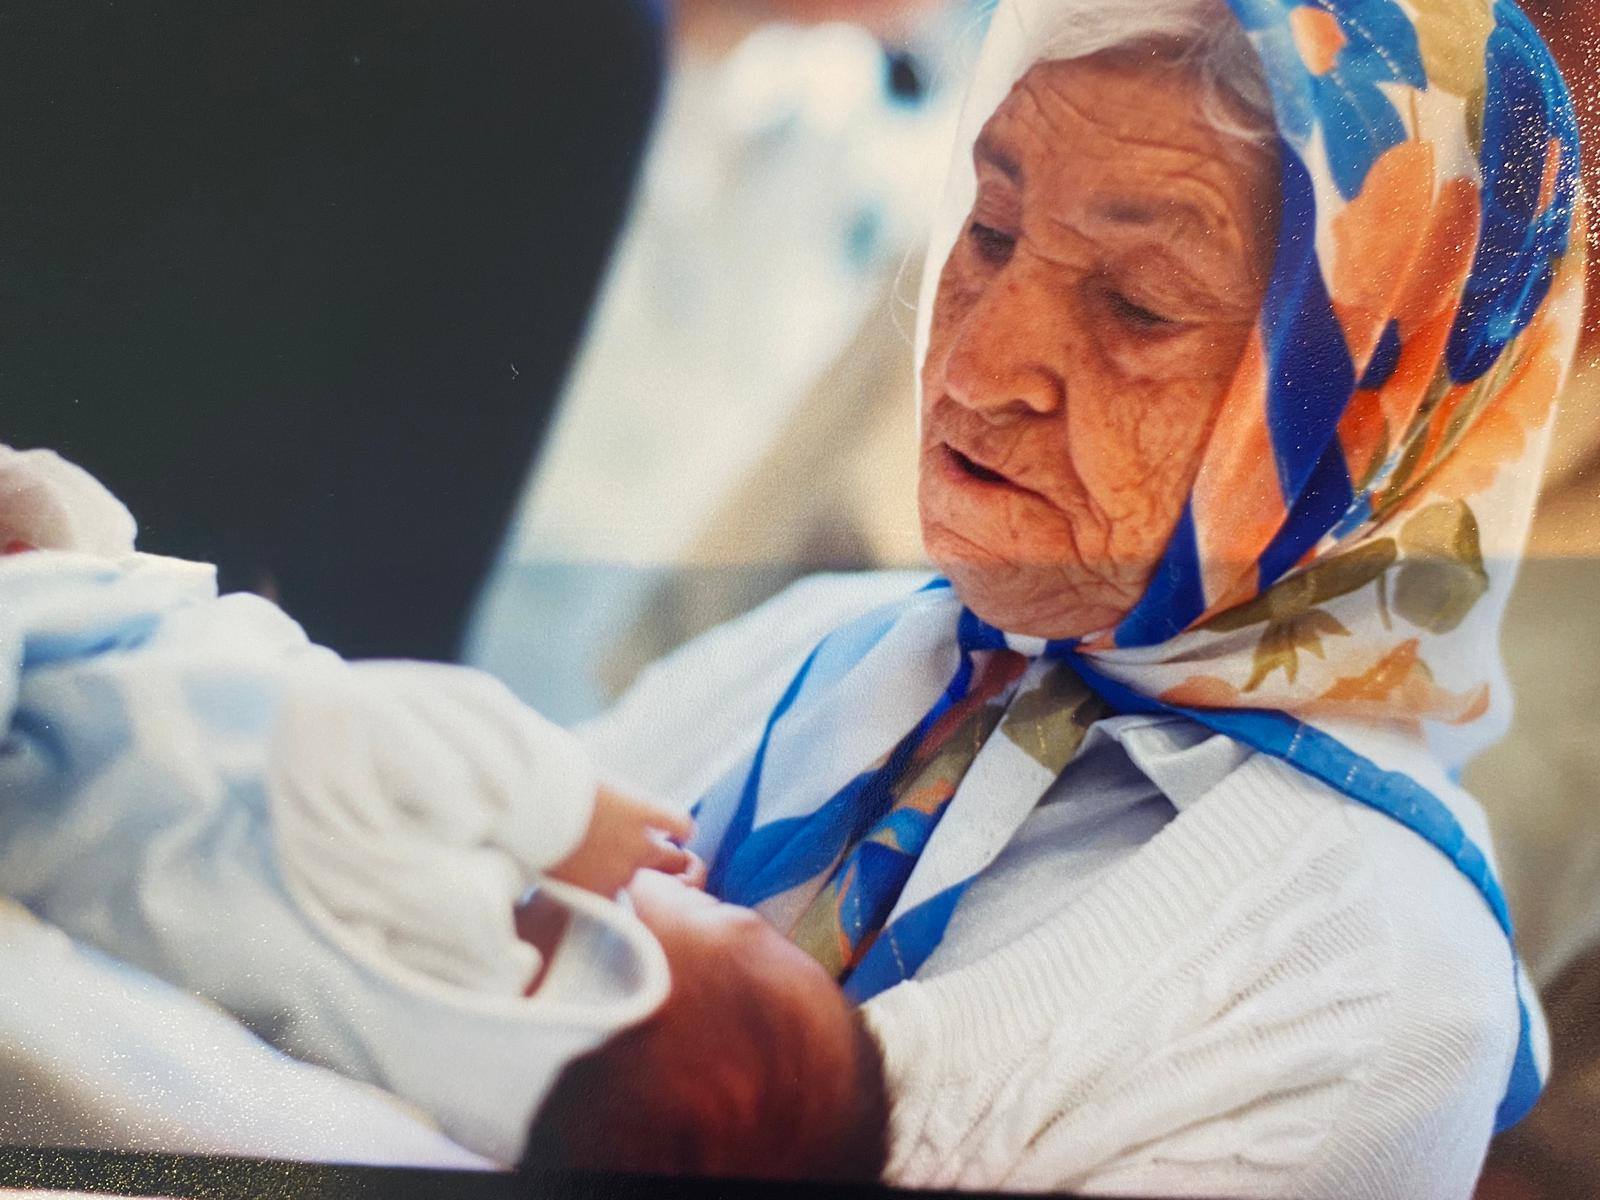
(967, 468)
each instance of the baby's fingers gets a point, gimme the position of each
(675, 824)
(626, 810)
(694, 875)
(666, 857)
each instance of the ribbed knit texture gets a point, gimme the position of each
(1279, 995)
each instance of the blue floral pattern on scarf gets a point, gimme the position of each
(1359, 120)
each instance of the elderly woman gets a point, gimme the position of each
(1136, 835)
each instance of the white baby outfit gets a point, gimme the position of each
(329, 851)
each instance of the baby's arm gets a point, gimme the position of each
(331, 852)
(414, 804)
(626, 836)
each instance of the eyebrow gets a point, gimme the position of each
(987, 150)
(1166, 219)
(1138, 213)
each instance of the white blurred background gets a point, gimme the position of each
(741, 413)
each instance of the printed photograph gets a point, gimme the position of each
(609, 597)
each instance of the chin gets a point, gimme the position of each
(1052, 600)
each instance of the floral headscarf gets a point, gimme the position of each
(1333, 591)
(1360, 511)
(1387, 424)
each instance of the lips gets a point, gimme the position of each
(969, 469)
(975, 469)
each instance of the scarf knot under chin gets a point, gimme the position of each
(877, 839)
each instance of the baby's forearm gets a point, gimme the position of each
(146, 815)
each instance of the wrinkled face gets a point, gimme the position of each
(1086, 326)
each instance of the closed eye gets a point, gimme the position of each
(1137, 315)
(993, 245)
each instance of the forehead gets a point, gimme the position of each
(1126, 132)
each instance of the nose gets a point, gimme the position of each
(1007, 357)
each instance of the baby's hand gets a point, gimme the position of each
(625, 836)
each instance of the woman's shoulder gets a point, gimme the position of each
(1432, 904)
(1433, 944)
(1244, 815)
(1443, 1039)
(693, 713)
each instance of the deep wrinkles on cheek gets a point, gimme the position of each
(1160, 435)
(1085, 543)
(1049, 568)
(1103, 515)
(976, 553)
(1073, 552)
(1106, 432)
(1042, 568)
(1134, 494)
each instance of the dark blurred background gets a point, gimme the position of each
(300, 281)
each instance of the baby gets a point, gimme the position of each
(333, 852)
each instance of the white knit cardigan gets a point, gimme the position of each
(1280, 993)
